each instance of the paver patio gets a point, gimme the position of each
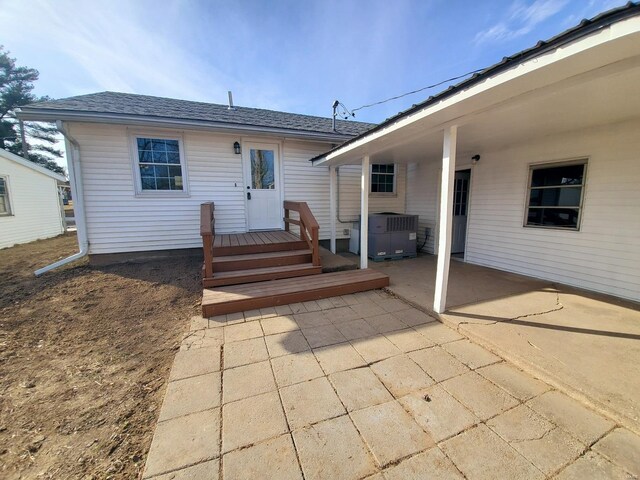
(367, 387)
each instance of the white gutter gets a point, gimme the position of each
(75, 181)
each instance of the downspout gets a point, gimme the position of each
(338, 199)
(75, 181)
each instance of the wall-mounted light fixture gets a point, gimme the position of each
(475, 158)
(236, 148)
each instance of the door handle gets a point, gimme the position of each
(248, 195)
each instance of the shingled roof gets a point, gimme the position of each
(131, 106)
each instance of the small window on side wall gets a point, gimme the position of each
(383, 178)
(5, 205)
(555, 195)
(160, 164)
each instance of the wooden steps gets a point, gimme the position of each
(236, 277)
(249, 296)
(227, 263)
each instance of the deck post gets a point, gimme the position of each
(333, 213)
(446, 218)
(364, 212)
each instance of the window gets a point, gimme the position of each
(160, 164)
(383, 178)
(5, 207)
(555, 195)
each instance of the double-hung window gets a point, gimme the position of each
(555, 195)
(5, 206)
(160, 164)
(383, 178)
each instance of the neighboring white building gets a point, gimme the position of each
(30, 206)
(532, 165)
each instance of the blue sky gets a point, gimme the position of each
(294, 56)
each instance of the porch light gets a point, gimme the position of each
(236, 148)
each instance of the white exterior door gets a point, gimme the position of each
(262, 182)
(460, 207)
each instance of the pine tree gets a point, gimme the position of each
(16, 89)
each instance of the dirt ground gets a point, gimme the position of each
(85, 354)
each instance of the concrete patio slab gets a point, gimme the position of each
(583, 343)
(364, 409)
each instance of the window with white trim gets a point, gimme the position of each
(383, 178)
(555, 195)
(5, 205)
(160, 164)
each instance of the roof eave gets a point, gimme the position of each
(52, 115)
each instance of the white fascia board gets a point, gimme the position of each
(51, 115)
(31, 165)
(608, 35)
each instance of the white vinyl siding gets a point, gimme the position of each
(35, 211)
(423, 183)
(605, 254)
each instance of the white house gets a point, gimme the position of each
(531, 166)
(30, 207)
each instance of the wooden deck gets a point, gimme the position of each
(239, 298)
(260, 269)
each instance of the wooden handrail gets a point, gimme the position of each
(309, 228)
(207, 231)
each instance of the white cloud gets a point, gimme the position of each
(520, 19)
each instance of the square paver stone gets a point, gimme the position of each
(481, 454)
(283, 309)
(374, 349)
(355, 329)
(432, 464)
(242, 331)
(438, 333)
(323, 335)
(286, 343)
(392, 305)
(593, 466)
(368, 309)
(622, 447)
(252, 420)
(296, 368)
(184, 441)
(190, 363)
(335, 358)
(204, 470)
(471, 354)
(342, 314)
(586, 425)
(244, 352)
(273, 459)
(311, 319)
(191, 395)
(359, 388)
(518, 383)
(408, 340)
(438, 363)
(414, 317)
(310, 402)
(390, 432)
(438, 412)
(247, 381)
(385, 323)
(281, 324)
(401, 375)
(333, 450)
(479, 395)
(546, 446)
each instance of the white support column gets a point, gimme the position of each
(445, 218)
(364, 212)
(333, 212)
